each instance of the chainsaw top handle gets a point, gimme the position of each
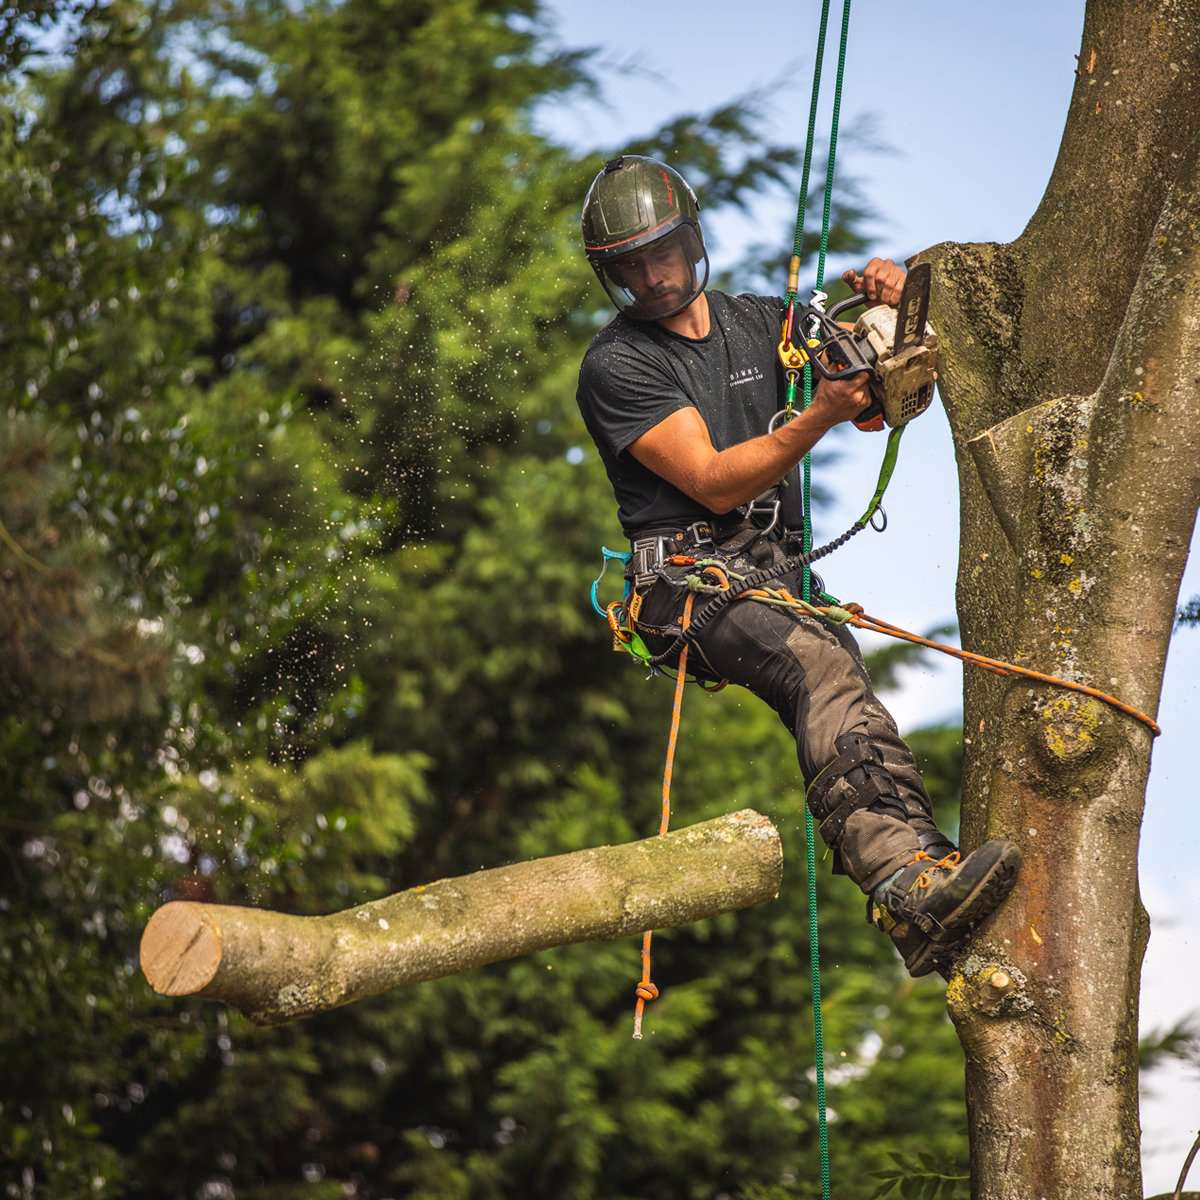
(846, 305)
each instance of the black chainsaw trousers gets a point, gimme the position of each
(811, 673)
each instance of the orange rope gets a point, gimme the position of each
(864, 620)
(645, 989)
(997, 666)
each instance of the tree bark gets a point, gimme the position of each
(1071, 374)
(277, 968)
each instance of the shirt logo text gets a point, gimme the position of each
(746, 375)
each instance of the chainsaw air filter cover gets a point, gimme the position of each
(904, 384)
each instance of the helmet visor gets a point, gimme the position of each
(659, 279)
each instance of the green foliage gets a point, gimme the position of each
(921, 1177)
(1189, 613)
(298, 519)
(65, 644)
(1178, 1041)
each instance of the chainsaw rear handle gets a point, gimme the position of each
(871, 417)
(866, 420)
(845, 357)
(849, 367)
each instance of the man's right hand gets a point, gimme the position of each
(838, 400)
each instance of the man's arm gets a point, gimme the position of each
(680, 450)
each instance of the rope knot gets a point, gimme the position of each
(646, 990)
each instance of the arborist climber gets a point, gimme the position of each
(677, 391)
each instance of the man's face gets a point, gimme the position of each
(658, 275)
(660, 279)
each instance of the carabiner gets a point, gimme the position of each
(757, 506)
(621, 556)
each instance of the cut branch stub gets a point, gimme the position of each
(276, 967)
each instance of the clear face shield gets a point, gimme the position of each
(660, 279)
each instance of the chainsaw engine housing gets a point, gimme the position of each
(903, 381)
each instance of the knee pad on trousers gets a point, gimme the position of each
(854, 780)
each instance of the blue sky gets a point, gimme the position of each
(972, 100)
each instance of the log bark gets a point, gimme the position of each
(1071, 374)
(277, 968)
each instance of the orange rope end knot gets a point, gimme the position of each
(646, 990)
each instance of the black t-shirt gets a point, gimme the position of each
(636, 374)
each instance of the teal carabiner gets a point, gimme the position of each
(621, 556)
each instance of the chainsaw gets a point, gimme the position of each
(896, 346)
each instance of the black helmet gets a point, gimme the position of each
(641, 231)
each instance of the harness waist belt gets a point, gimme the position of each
(652, 548)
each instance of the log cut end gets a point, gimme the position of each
(181, 949)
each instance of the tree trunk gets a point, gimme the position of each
(1071, 374)
(276, 967)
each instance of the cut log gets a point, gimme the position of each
(276, 967)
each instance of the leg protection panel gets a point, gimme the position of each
(855, 779)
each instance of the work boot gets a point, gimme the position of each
(929, 906)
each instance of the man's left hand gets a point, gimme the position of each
(881, 282)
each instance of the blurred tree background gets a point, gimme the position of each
(297, 518)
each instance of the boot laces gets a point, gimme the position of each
(940, 864)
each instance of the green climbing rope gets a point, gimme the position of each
(806, 478)
(801, 208)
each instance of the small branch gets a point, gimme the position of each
(19, 551)
(1187, 1166)
(988, 986)
(276, 967)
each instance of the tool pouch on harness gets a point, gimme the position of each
(854, 780)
